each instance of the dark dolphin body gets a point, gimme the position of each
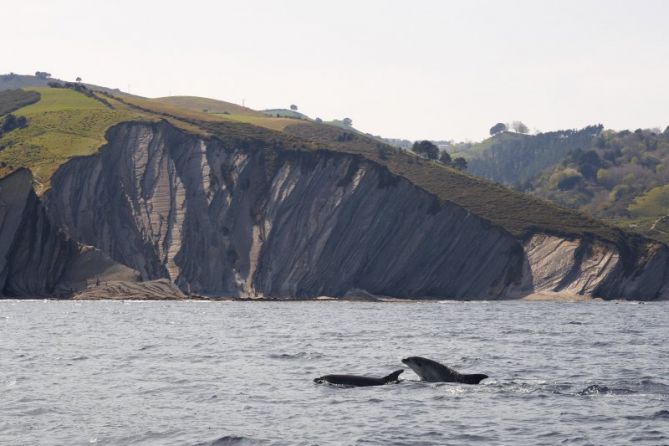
(359, 381)
(432, 371)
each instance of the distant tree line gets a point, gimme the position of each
(515, 159)
(516, 126)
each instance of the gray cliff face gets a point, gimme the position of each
(236, 218)
(219, 218)
(592, 268)
(36, 258)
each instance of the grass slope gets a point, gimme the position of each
(62, 124)
(14, 81)
(199, 104)
(202, 119)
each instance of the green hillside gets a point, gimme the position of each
(621, 177)
(13, 81)
(62, 124)
(514, 158)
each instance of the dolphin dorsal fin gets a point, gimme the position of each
(393, 376)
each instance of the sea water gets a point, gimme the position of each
(236, 373)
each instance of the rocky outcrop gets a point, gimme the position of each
(36, 257)
(587, 267)
(239, 218)
(161, 289)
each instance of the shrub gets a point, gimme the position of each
(383, 152)
(618, 192)
(345, 137)
(445, 158)
(11, 122)
(460, 163)
(565, 179)
(498, 128)
(604, 178)
(569, 182)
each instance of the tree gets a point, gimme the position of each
(347, 122)
(426, 148)
(460, 163)
(318, 120)
(498, 128)
(519, 127)
(444, 157)
(293, 107)
(78, 79)
(42, 75)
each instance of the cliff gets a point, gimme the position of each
(226, 218)
(36, 258)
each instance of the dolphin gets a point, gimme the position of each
(359, 381)
(432, 371)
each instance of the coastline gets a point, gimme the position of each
(538, 297)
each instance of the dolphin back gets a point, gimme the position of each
(473, 378)
(393, 377)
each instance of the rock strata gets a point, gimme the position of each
(37, 258)
(161, 289)
(245, 219)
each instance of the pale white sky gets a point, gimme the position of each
(412, 69)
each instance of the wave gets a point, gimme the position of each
(640, 387)
(232, 440)
(597, 389)
(298, 355)
(659, 415)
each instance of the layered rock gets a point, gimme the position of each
(161, 289)
(36, 257)
(238, 218)
(222, 219)
(582, 266)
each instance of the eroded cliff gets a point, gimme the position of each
(244, 218)
(36, 257)
(222, 219)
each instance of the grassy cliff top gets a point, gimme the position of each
(207, 105)
(62, 124)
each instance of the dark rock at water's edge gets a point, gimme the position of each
(220, 218)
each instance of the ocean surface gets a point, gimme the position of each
(234, 373)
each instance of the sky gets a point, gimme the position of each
(418, 69)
